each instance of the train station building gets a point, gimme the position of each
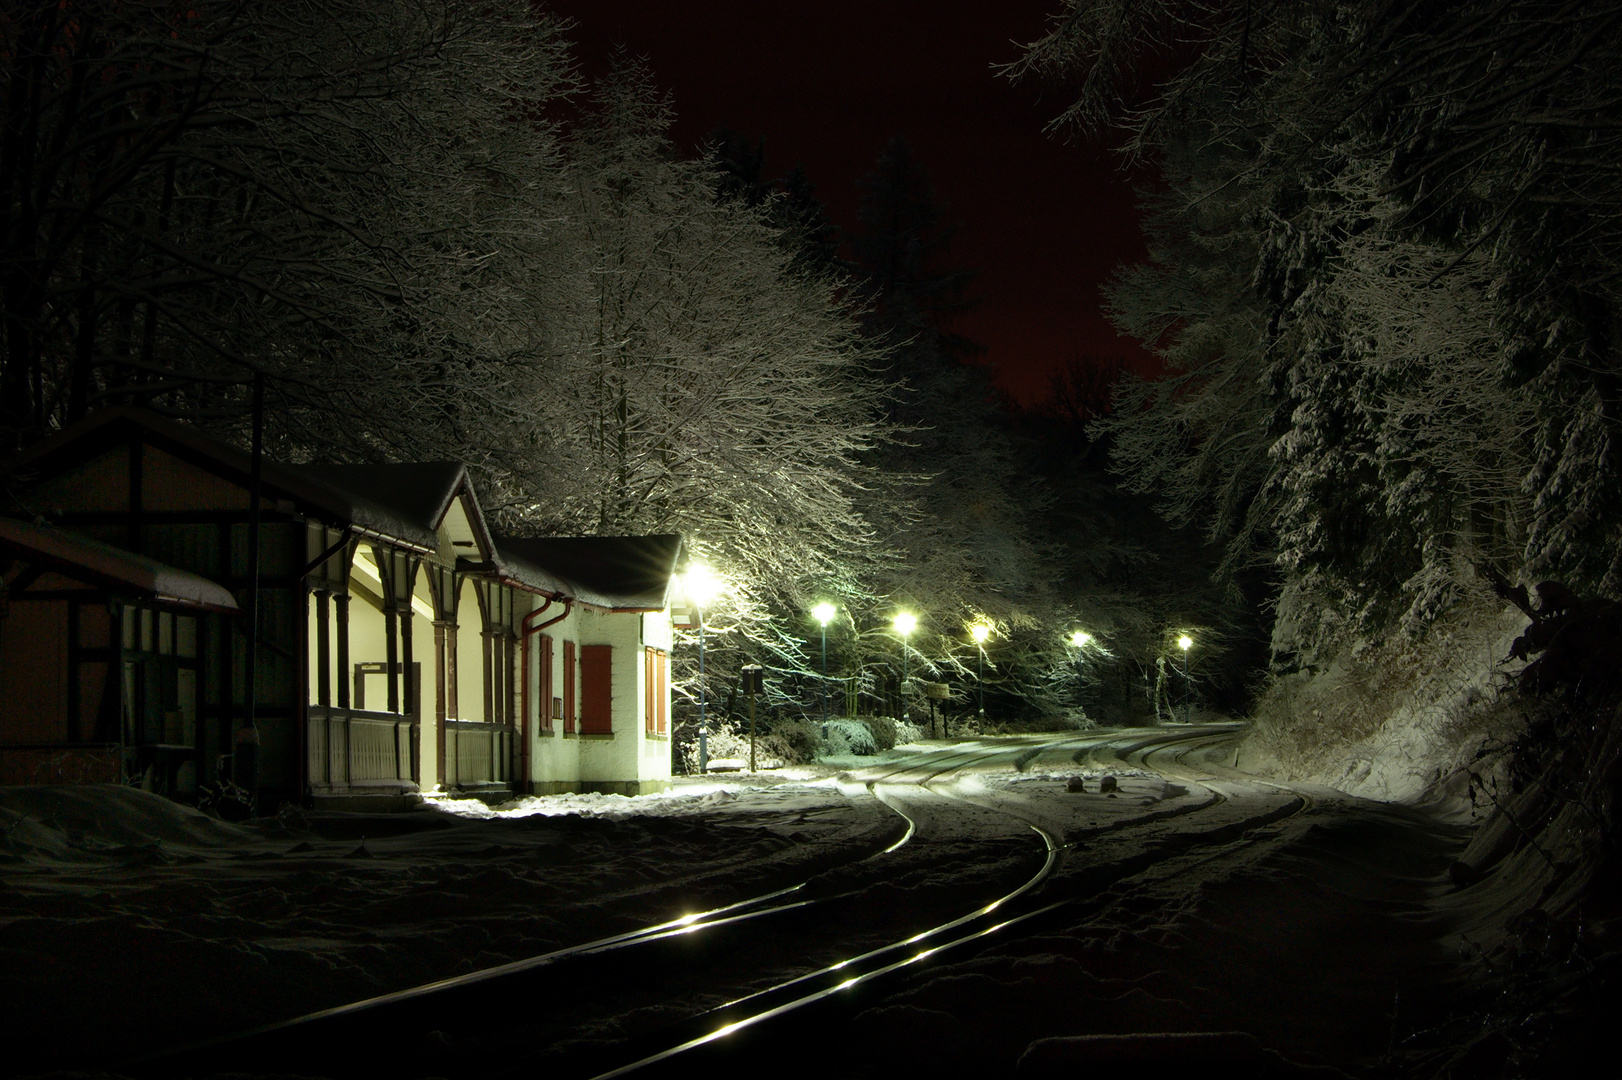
(403, 647)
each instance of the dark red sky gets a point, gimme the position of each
(828, 83)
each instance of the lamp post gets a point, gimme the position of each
(1183, 643)
(905, 623)
(1079, 639)
(700, 584)
(824, 614)
(980, 631)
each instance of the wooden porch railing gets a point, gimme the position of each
(477, 753)
(353, 748)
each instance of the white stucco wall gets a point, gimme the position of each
(554, 759)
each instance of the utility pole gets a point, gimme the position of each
(823, 613)
(245, 768)
(1183, 643)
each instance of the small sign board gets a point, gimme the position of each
(937, 691)
(754, 679)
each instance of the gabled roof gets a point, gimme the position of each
(340, 506)
(621, 573)
(403, 503)
(416, 496)
(111, 568)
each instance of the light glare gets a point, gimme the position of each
(701, 584)
(980, 631)
(824, 613)
(1080, 638)
(1184, 642)
(906, 623)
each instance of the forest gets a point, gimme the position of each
(431, 237)
(1381, 287)
(1366, 498)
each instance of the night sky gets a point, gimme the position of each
(828, 84)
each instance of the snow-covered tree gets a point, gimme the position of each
(688, 379)
(960, 520)
(1383, 272)
(342, 196)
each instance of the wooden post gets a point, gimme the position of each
(323, 649)
(391, 656)
(342, 602)
(408, 674)
(245, 770)
(440, 672)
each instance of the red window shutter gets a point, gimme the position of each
(544, 643)
(596, 690)
(650, 688)
(663, 666)
(568, 688)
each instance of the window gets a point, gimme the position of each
(568, 688)
(596, 690)
(160, 678)
(544, 642)
(656, 684)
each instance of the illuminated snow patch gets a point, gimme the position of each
(684, 798)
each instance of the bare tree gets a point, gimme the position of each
(317, 191)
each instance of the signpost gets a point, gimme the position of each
(754, 682)
(937, 691)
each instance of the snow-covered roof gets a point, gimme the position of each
(299, 484)
(111, 568)
(402, 503)
(621, 573)
(415, 496)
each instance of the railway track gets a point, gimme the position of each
(498, 1017)
(840, 987)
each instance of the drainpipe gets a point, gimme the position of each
(524, 634)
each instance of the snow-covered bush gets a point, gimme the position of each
(889, 732)
(844, 737)
(907, 732)
(800, 740)
(724, 741)
(883, 729)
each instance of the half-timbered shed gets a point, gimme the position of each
(99, 661)
(401, 650)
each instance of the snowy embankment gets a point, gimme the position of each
(1403, 722)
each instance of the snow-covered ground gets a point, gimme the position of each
(129, 923)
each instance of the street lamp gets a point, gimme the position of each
(701, 586)
(824, 614)
(979, 632)
(905, 623)
(1080, 639)
(1183, 643)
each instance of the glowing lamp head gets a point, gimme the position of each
(979, 631)
(1184, 642)
(824, 613)
(906, 623)
(1080, 638)
(701, 584)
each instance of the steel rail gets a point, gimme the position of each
(726, 915)
(853, 971)
(768, 1002)
(856, 971)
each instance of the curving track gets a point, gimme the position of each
(663, 997)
